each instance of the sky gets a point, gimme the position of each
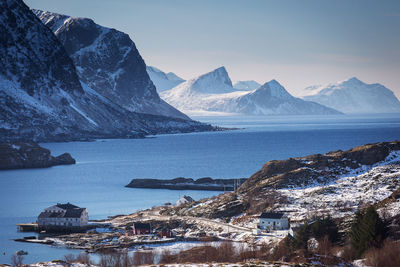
(297, 42)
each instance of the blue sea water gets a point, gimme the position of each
(105, 166)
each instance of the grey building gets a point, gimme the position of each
(63, 216)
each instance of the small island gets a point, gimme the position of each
(29, 155)
(182, 183)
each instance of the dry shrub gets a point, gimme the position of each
(388, 255)
(115, 259)
(83, 258)
(226, 252)
(324, 246)
(143, 257)
(17, 260)
(80, 258)
(69, 258)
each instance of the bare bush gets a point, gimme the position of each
(17, 260)
(142, 258)
(388, 255)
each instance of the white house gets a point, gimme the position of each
(273, 221)
(184, 200)
(63, 216)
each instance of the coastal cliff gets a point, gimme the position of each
(29, 155)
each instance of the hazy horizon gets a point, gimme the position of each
(298, 43)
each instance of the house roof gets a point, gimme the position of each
(141, 226)
(272, 215)
(69, 213)
(66, 206)
(73, 213)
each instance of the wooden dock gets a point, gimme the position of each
(27, 227)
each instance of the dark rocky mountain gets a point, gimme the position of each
(42, 99)
(31, 56)
(108, 61)
(29, 155)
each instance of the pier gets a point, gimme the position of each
(28, 227)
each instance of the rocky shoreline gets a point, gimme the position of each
(30, 155)
(182, 183)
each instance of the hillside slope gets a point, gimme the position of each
(335, 183)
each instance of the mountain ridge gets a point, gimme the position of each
(354, 96)
(214, 92)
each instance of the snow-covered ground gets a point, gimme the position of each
(344, 196)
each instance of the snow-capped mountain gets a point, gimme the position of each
(213, 92)
(354, 96)
(163, 81)
(42, 99)
(107, 60)
(246, 85)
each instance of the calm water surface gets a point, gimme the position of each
(105, 166)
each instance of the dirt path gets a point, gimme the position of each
(154, 215)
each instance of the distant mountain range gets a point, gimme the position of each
(163, 81)
(213, 92)
(47, 96)
(354, 96)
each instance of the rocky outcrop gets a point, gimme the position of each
(319, 168)
(263, 190)
(29, 155)
(181, 183)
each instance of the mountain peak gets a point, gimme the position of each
(219, 75)
(275, 89)
(353, 81)
(214, 82)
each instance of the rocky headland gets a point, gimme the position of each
(29, 155)
(181, 183)
(363, 174)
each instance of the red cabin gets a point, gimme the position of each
(141, 228)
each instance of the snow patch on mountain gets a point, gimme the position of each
(354, 96)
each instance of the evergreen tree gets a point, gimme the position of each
(367, 230)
